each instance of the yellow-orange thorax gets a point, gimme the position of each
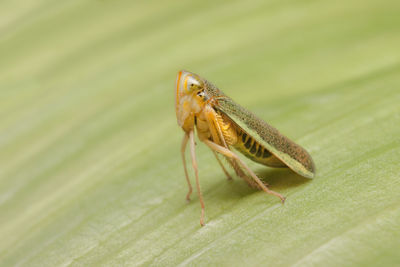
(193, 108)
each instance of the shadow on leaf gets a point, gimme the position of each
(277, 179)
(282, 178)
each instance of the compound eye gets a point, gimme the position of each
(192, 84)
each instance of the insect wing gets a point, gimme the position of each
(290, 153)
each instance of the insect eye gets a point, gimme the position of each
(194, 86)
(192, 83)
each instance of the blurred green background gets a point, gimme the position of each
(90, 170)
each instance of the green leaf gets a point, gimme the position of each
(90, 166)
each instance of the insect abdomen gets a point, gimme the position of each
(255, 151)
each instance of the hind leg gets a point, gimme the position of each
(226, 152)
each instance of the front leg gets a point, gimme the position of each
(183, 149)
(226, 152)
(194, 164)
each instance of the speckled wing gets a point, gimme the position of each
(290, 153)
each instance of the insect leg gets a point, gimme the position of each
(238, 170)
(214, 127)
(235, 165)
(222, 166)
(194, 164)
(226, 152)
(183, 149)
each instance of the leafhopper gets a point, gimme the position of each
(222, 124)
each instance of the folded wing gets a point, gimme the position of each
(290, 153)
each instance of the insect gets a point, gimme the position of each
(222, 124)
